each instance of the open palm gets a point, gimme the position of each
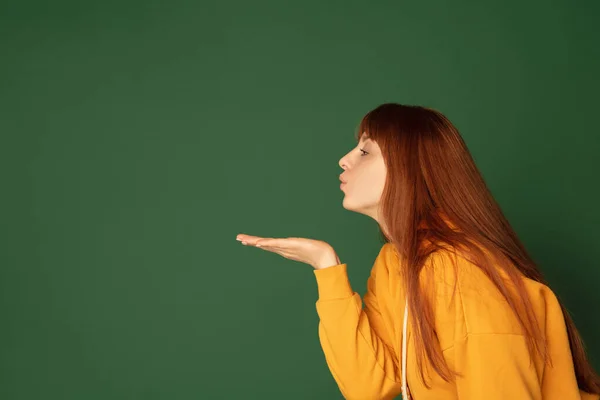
(316, 253)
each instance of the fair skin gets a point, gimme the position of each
(364, 174)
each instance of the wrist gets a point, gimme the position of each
(329, 260)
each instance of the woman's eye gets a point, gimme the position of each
(364, 152)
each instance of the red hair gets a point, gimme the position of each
(432, 179)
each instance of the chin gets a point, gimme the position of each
(348, 205)
(345, 203)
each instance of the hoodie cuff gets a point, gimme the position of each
(333, 282)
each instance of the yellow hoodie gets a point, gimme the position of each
(479, 335)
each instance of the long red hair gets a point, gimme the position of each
(430, 169)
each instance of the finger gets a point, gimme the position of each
(247, 239)
(258, 241)
(244, 237)
(279, 243)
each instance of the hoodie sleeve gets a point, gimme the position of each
(357, 346)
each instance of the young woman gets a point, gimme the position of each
(455, 307)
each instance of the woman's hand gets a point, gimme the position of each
(315, 253)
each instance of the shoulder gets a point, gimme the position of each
(387, 259)
(388, 250)
(385, 272)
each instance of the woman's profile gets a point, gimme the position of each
(455, 306)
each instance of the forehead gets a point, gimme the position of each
(365, 137)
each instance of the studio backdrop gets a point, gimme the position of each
(138, 138)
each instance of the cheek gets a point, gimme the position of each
(377, 176)
(378, 185)
(369, 179)
(371, 185)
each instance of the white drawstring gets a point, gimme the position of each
(405, 394)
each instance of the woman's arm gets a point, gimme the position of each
(357, 346)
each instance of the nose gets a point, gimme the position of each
(342, 163)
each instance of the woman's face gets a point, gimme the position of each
(364, 176)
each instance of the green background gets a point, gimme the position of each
(138, 138)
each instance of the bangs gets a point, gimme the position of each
(372, 125)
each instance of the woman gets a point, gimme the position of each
(455, 307)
